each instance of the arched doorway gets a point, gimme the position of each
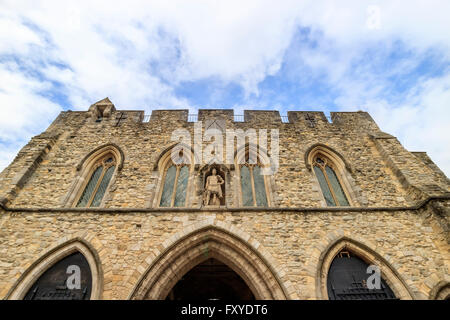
(211, 280)
(56, 282)
(70, 271)
(342, 273)
(209, 247)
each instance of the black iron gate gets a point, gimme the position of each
(347, 280)
(52, 284)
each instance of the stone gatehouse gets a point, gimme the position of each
(96, 207)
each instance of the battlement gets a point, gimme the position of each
(106, 113)
(223, 114)
(309, 119)
(169, 115)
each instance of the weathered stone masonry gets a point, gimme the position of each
(399, 215)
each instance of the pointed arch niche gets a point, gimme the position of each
(95, 174)
(224, 172)
(363, 253)
(255, 189)
(198, 247)
(175, 183)
(77, 250)
(332, 175)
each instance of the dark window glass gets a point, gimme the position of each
(260, 187)
(102, 187)
(175, 187)
(180, 194)
(53, 284)
(324, 186)
(246, 186)
(337, 188)
(90, 187)
(169, 181)
(98, 183)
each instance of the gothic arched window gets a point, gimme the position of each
(350, 279)
(175, 186)
(253, 184)
(329, 182)
(174, 171)
(98, 183)
(68, 279)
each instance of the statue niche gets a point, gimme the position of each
(214, 187)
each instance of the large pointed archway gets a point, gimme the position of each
(209, 245)
(211, 280)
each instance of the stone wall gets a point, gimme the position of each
(400, 213)
(293, 242)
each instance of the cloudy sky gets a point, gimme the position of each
(390, 58)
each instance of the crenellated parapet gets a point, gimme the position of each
(104, 113)
(262, 116)
(215, 114)
(308, 119)
(169, 116)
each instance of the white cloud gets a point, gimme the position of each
(23, 111)
(11, 29)
(240, 41)
(136, 52)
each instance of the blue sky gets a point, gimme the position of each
(390, 58)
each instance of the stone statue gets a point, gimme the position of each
(213, 188)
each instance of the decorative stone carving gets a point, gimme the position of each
(102, 109)
(212, 192)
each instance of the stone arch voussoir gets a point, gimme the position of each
(210, 238)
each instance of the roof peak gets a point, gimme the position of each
(103, 101)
